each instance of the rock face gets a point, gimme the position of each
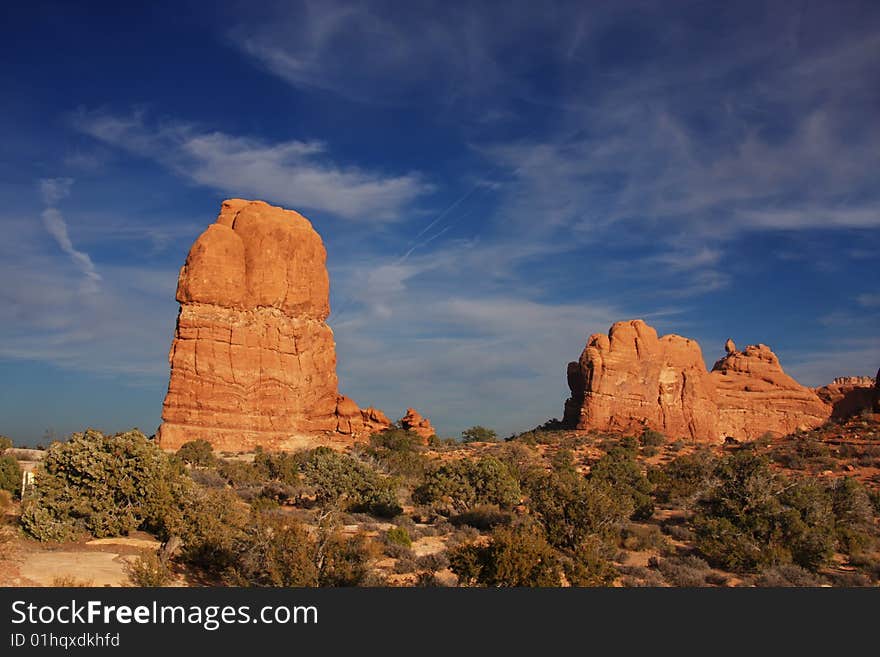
(632, 379)
(253, 361)
(848, 395)
(413, 421)
(756, 396)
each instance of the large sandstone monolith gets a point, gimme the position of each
(848, 395)
(253, 361)
(630, 379)
(755, 396)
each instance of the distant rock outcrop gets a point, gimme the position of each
(632, 379)
(848, 395)
(756, 396)
(253, 361)
(413, 421)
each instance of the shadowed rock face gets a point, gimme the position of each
(253, 361)
(849, 395)
(632, 379)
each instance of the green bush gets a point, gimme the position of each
(651, 438)
(589, 565)
(684, 478)
(241, 474)
(572, 509)
(398, 536)
(398, 452)
(853, 515)
(283, 467)
(478, 434)
(459, 486)
(272, 550)
(103, 486)
(199, 453)
(754, 518)
(336, 477)
(10, 474)
(211, 524)
(514, 556)
(788, 575)
(619, 469)
(5, 443)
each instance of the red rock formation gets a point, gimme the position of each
(253, 361)
(756, 396)
(630, 379)
(413, 421)
(848, 395)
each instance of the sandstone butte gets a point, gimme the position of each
(253, 361)
(631, 379)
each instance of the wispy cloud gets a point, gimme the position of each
(298, 174)
(54, 190)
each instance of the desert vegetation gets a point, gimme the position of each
(548, 507)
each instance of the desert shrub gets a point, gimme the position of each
(281, 467)
(755, 518)
(207, 477)
(398, 452)
(639, 576)
(405, 565)
(688, 571)
(572, 508)
(514, 556)
(5, 443)
(10, 474)
(148, 570)
(478, 434)
(398, 551)
(104, 486)
(398, 536)
(69, 581)
(432, 562)
(853, 515)
(5, 500)
(520, 459)
(199, 453)
(210, 524)
(651, 438)
(240, 474)
(619, 469)
(459, 486)
(483, 516)
(788, 574)
(683, 478)
(344, 561)
(589, 565)
(336, 477)
(680, 532)
(644, 537)
(272, 550)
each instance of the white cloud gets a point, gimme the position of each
(54, 190)
(297, 174)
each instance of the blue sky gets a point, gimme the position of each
(493, 182)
